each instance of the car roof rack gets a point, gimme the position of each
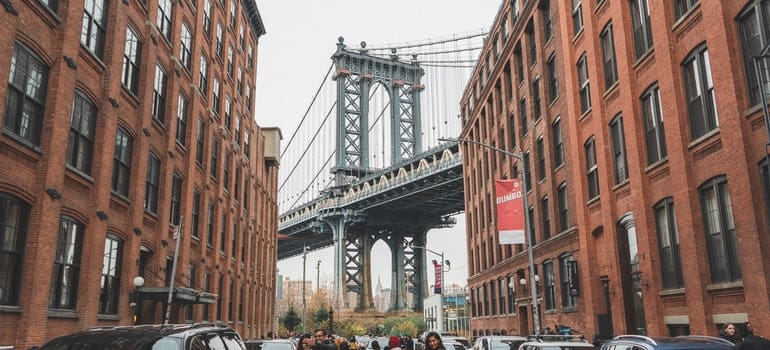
(639, 337)
(556, 337)
(706, 338)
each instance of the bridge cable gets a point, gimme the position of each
(311, 181)
(430, 43)
(323, 82)
(304, 152)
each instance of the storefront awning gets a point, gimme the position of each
(180, 295)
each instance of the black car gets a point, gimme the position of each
(199, 336)
(684, 342)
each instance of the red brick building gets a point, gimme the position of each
(120, 121)
(638, 228)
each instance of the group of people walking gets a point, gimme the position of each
(320, 340)
(749, 341)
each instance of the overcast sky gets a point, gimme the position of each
(295, 54)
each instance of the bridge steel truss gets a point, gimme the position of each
(356, 72)
(397, 205)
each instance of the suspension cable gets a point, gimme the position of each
(294, 134)
(430, 43)
(304, 152)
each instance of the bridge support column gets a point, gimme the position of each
(338, 226)
(398, 277)
(420, 277)
(365, 298)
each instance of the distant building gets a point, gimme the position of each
(292, 295)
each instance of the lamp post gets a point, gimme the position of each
(138, 283)
(527, 224)
(467, 321)
(317, 276)
(443, 283)
(304, 300)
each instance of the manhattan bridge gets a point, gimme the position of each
(365, 163)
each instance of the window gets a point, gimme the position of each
(558, 143)
(683, 6)
(618, 149)
(536, 98)
(164, 18)
(545, 12)
(561, 196)
(237, 185)
(210, 226)
(241, 37)
(550, 286)
(196, 208)
(26, 95)
(232, 14)
(181, 121)
(720, 230)
(527, 172)
(553, 82)
(216, 93)
(608, 57)
(214, 157)
(569, 288)
(207, 17)
(203, 76)
(654, 134)
(191, 279)
(540, 158)
(230, 66)
(492, 297)
(504, 29)
(530, 31)
(159, 95)
(234, 239)
(175, 209)
(207, 289)
(251, 57)
(66, 265)
(238, 130)
(523, 116)
(515, 9)
(221, 292)
(531, 214)
(246, 145)
(512, 283)
(94, 27)
(226, 167)
(228, 115)
(80, 147)
(223, 233)
(699, 89)
(577, 17)
(185, 50)
(668, 242)
(519, 63)
(52, 5)
(592, 171)
(110, 284)
(199, 142)
(249, 105)
(585, 91)
(239, 80)
(545, 215)
(152, 183)
(640, 21)
(500, 295)
(754, 28)
(14, 217)
(132, 56)
(121, 168)
(220, 43)
(246, 194)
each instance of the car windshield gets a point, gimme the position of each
(506, 344)
(114, 341)
(565, 347)
(275, 346)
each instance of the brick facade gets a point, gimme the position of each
(601, 229)
(46, 178)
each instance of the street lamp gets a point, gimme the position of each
(317, 276)
(443, 283)
(138, 283)
(304, 300)
(527, 224)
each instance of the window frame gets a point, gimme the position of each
(725, 237)
(182, 111)
(761, 38)
(696, 67)
(609, 60)
(563, 203)
(152, 184)
(618, 143)
(18, 212)
(549, 286)
(185, 46)
(557, 139)
(592, 168)
(585, 84)
(109, 294)
(200, 140)
(121, 168)
(672, 276)
(66, 264)
(641, 27)
(545, 217)
(541, 164)
(163, 21)
(567, 276)
(175, 207)
(655, 136)
(553, 79)
(159, 94)
(93, 30)
(132, 61)
(19, 97)
(683, 7)
(577, 17)
(82, 133)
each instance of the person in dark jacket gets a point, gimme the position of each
(728, 333)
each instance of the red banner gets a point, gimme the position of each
(510, 211)
(437, 269)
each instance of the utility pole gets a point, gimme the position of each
(318, 276)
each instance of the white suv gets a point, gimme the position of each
(556, 342)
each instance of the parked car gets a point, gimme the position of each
(684, 342)
(498, 342)
(453, 345)
(270, 344)
(198, 336)
(457, 339)
(556, 342)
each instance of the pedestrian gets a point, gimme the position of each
(394, 343)
(753, 342)
(306, 341)
(375, 345)
(728, 333)
(433, 341)
(749, 329)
